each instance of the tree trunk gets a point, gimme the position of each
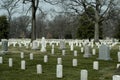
(33, 36)
(96, 33)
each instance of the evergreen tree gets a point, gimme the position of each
(4, 26)
(86, 26)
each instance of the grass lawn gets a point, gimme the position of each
(105, 72)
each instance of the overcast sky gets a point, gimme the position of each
(46, 7)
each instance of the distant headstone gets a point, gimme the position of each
(45, 59)
(4, 44)
(118, 56)
(104, 52)
(71, 47)
(74, 61)
(31, 56)
(1, 60)
(23, 64)
(59, 61)
(52, 51)
(118, 65)
(82, 49)
(95, 65)
(80, 45)
(87, 52)
(93, 51)
(20, 45)
(119, 48)
(10, 62)
(22, 55)
(63, 52)
(52, 46)
(62, 45)
(75, 53)
(35, 45)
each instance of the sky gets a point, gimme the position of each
(46, 7)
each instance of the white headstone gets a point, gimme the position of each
(20, 45)
(94, 51)
(10, 62)
(45, 58)
(52, 51)
(62, 44)
(118, 56)
(80, 45)
(63, 52)
(23, 64)
(39, 69)
(75, 53)
(118, 65)
(22, 55)
(52, 46)
(1, 60)
(27, 46)
(74, 62)
(87, 52)
(116, 77)
(59, 61)
(84, 75)
(31, 56)
(59, 71)
(35, 44)
(82, 49)
(119, 48)
(30, 44)
(57, 44)
(71, 47)
(95, 65)
(14, 44)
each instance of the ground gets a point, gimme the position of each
(105, 72)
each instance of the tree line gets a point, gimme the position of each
(83, 19)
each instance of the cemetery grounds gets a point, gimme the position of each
(106, 68)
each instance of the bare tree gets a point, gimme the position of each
(101, 9)
(41, 25)
(10, 6)
(34, 5)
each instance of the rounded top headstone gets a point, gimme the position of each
(43, 37)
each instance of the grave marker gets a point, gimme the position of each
(87, 52)
(104, 52)
(45, 59)
(59, 61)
(84, 75)
(62, 45)
(95, 65)
(39, 69)
(59, 71)
(74, 61)
(1, 60)
(31, 56)
(23, 64)
(10, 62)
